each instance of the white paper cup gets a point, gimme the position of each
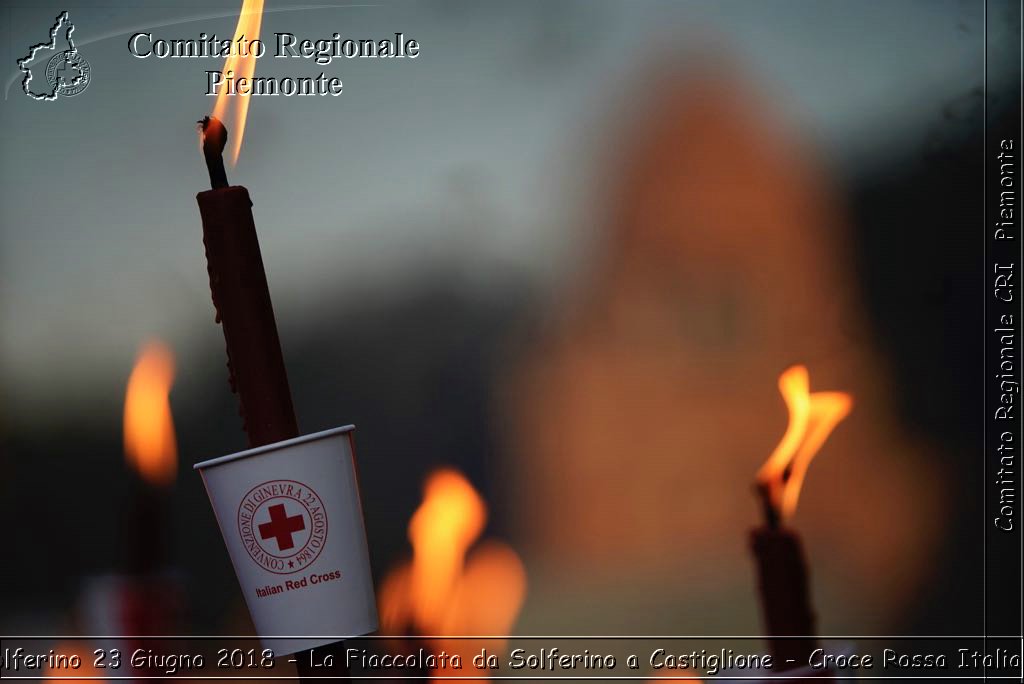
(291, 518)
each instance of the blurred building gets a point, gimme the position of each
(649, 400)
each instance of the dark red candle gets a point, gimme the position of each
(785, 592)
(241, 298)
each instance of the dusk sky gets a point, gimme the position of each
(475, 153)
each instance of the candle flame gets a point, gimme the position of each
(448, 521)
(489, 593)
(444, 591)
(233, 110)
(812, 417)
(55, 675)
(149, 443)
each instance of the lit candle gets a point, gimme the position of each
(781, 564)
(150, 448)
(241, 298)
(145, 597)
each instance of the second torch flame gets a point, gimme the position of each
(446, 589)
(441, 530)
(233, 110)
(149, 443)
(812, 417)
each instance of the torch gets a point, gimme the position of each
(145, 595)
(150, 449)
(288, 507)
(241, 298)
(447, 588)
(781, 564)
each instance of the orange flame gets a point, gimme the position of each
(149, 443)
(233, 110)
(56, 675)
(442, 591)
(489, 594)
(448, 521)
(812, 417)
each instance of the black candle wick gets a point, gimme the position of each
(215, 137)
(772, 519)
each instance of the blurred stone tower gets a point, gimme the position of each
(645, 406)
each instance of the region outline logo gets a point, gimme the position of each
(282, 525)
(67, 72)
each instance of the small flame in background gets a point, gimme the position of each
(233, 110)
(149, 444)
(812, 417)
(444, 591)
(441, 530)
(87, 668)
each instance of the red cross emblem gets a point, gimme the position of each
(282, 526)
